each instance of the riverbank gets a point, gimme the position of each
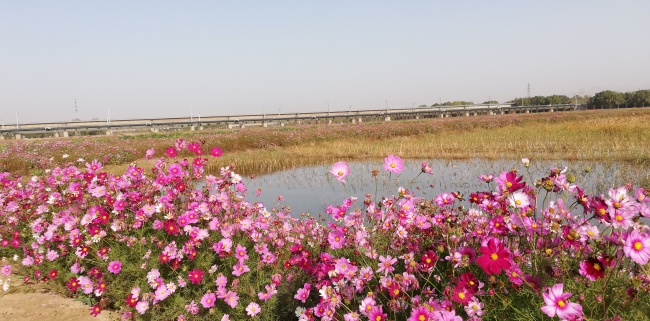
(596, 135)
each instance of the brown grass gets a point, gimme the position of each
(602, 135)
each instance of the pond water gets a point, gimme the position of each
(312, 189)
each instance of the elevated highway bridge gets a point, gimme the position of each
(83, 128)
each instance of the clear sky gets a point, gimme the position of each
(152, 59)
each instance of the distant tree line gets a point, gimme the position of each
(603, 99)
(453, 103)
(609, 99)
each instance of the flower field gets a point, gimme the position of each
(152, 246)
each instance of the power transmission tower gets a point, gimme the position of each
(528, 91)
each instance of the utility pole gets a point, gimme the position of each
(263, 112)
(386, 106)
(528, 91)
(3, 123)
(17, 126)
(199, 115)
(191, 113)
(76, 114)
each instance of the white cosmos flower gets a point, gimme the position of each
(518, 199)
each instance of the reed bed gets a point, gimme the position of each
(602, 135)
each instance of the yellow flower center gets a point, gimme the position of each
(422, 318)
(518, 202)
(461, 295)
(617, 205)
(596, 266)
(494, 256)
(392, 165)
(561, 304)
(638, 245)
(340, 173)
(508, 184)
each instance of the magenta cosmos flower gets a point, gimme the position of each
(216, 152)
(637, 247)
(393, 164)
(495, 257)
(340, 170)
(115, 267)
(556, 303)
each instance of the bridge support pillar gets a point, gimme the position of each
(417, 116)
(200, 127)
(265, 124)
(109, 132)
(502, 112)
(2, 137)
(242, 125)
(551, 110)
(441, 115)
(56, 134)
(352, 120)
(329, 121)
(230, 126)
(467, 114)
(360, 120)
(527, 111)
(192, 128)
(19, 136)
(387, 118)
(65, 134)
(282, 123)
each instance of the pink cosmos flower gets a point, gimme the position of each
(6, 270)
(444, 315)
(231, 299)
(637, 247)
(195, 276)
(240, 253)
(495, 257)
(556, 303)
(420, 313)
(253, 309)
(376, 314)
(303, 293)
(393, 164)
(444, 199)
(142, 307)
(340, 170)
(171, 152)
(208, 300)
(239, 269)
(150, 153)
(216, 152)
(426, 168)
(115, 267)
(508, 181)
(162, 292)
(487, 178)
(386, 264)
(336, 239)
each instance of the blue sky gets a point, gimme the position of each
(151, 59)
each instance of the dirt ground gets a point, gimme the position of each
(46, 306)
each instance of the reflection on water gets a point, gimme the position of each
(312, 189)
